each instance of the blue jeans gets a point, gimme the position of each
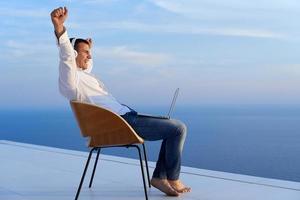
(172, 132)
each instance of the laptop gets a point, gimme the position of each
(170, 109)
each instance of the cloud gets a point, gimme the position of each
(21, 49)
(99, 1)
(289, 71)
(92, 2)
(226, 9)
(124, 54)
(202, 17)
(257, 33)
(28, 53)
(169, 5)
(181, 29)
(17, 12)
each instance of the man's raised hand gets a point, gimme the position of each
(89, 40)
(58, 17)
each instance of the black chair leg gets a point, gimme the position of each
(147, 168)
(95, 166)
(84, 172)
(142, 169)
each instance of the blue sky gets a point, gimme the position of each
(217, 52)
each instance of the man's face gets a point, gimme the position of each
(83, 56)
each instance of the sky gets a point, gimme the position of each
(216, 52)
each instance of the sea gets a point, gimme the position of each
(257, 140)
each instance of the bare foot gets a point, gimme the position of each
(164, 186)
(179, 186)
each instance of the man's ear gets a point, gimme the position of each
(75, 53)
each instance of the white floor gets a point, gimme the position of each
(32, 172)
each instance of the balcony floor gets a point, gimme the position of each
(33, 172)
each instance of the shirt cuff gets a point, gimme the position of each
(64, 38)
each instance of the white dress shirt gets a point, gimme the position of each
(81, 85)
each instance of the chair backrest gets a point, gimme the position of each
(104, 127)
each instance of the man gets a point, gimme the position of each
(77, 83)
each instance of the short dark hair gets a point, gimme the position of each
(78, 40)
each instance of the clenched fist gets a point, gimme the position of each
(58, 17)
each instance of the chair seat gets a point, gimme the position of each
(102, 126)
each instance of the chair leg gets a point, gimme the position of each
(84, 172)
(142, 169)
(146, 161)
(95, 166)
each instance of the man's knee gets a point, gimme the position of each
(181, 128)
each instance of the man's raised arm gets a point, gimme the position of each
(68, 78)
(58, 17)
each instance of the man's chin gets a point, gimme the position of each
(83, 67)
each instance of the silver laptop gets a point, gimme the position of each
(170, 109)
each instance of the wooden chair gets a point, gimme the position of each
(104, 129)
